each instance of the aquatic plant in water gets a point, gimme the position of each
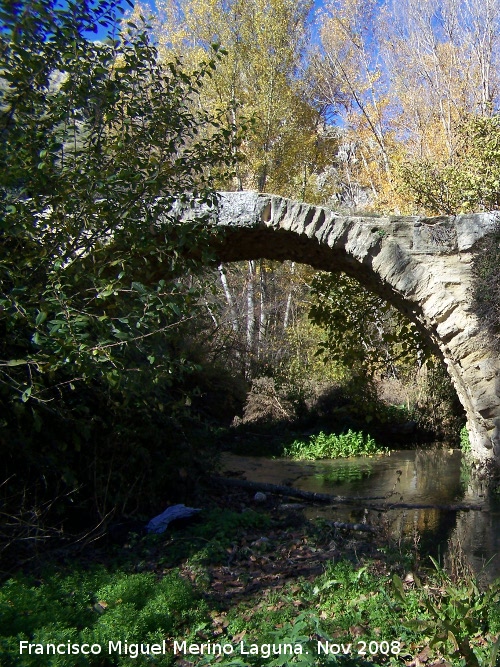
(332, 446)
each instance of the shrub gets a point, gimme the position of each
(434, 403)
(264, 405)
(464, 440)
(99, 145)
(468, 182)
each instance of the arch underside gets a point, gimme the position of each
(421, 266)
(241, 245)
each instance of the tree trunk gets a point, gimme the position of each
(288, 307)
(250, 317)
(263, 314)
(229, 298)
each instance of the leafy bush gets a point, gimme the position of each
(363, 331)
(352, 403)
(100, 145)
(457, 617)
(264, 405)
(464, 440)
(331, 446)
(435, 405)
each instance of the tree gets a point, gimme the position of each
(364, 333)
(442, 59)
(401, 77)
(469, 182)
(285, 146)
(252, 314)
(100, 143)
(349, 82)
(260, 80)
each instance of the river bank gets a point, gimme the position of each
(246, 574)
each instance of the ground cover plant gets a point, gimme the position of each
(249, 579)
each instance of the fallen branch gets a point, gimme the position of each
(340, 500)
(360, 527)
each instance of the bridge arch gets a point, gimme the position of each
(420, 265)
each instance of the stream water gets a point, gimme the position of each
(431, 476)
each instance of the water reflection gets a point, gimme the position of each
(344, 474)
(418, 476)
(412, 476)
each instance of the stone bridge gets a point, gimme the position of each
(422, 266)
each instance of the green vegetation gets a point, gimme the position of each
(117, 343)
(96, 608)
(458, 617)
(385, 617)
(332, 446)
(468, 182)
(362, 330)
(100, 145)
(464, 441)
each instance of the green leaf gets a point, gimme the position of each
(26, 394)
(121, 335)
(398, 587)
(175, 308)
(16, 362)
(40, 318)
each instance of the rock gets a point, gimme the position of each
(260, 497)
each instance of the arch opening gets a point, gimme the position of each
(420, 266)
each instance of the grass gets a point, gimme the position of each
(332, 446)
(209, 583)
